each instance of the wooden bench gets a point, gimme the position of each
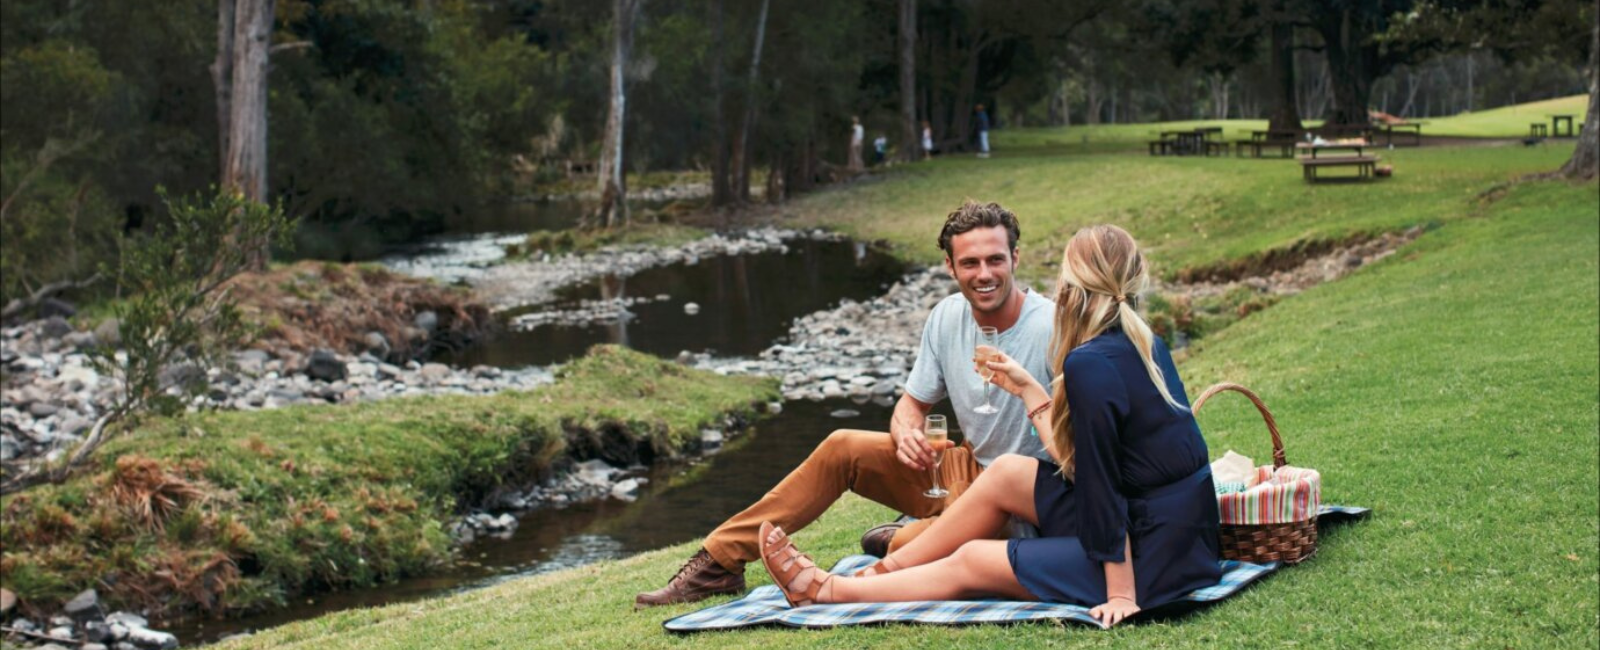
(1366, 166)
(1285, 147)
(1538, 130)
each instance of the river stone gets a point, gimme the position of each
(55, 327)
(427, 321)
(118, 631)
(41, 410)
(691, 308)
(434, 372)
(625, 490)
(388, 371)
(81, 374)
(376, 343)
(93, 646)
(8, 600)
(109, 333)
(97, 632)
(54, 646)
(149, 638)
(845, 413)
(326, 366)
(64, 633)
(84, 606)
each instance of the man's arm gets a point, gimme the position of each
(905, 429)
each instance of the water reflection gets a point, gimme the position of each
(746, 303)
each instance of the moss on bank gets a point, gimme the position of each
(233, 510)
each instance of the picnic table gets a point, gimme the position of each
(1388, 130)
(1555, 125)
(1366, 166)
(1283, 140)
(1187, 142)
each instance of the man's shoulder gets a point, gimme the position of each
(1038, 311)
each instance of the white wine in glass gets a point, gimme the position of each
(937, 431)
(985, 350)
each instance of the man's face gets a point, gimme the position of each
(982, 261)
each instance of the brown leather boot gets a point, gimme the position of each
(700, 578)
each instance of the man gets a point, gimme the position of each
(857, 136)
(980, 246)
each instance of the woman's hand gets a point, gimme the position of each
(1009, 375)
(1114, 611)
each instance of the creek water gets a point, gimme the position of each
(746, 304)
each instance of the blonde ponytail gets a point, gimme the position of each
(1101, 271)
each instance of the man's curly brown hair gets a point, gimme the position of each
(973, 215)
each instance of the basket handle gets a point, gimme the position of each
(1278, 459)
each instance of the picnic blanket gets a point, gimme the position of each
(765, 605)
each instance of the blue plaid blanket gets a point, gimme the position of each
(765, 605)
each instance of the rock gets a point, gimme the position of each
(64, 633)
(80, 340)
(84, 607)
(845, 413)
(55, 327)
(9, 450)
(93, 646)
(182, 374)
(376, 343)
(691, 308)
(148, 638)
(109, 332)
(324, 365)
(711, 437)
(434, 372)
(124, 645)
(427, 321)
(81, 374)
(8, 600)
(388, 371)
(625, 490)
(53, 646)
(774, 408)
(97, 632)
(41, 410)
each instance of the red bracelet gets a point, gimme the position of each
(1039, 409)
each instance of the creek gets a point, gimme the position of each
(746, 303)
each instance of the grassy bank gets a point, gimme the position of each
(1190, 212)
(235, 510)
(1508, 121)
(1452, 387)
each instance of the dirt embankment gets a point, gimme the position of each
(357, 308)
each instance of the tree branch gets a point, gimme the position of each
(19, 305)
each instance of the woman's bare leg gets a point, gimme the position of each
(1004, 489)
(977, 569)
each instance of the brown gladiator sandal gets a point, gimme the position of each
(793, 571)
(878, 568)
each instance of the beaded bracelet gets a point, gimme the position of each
(1038, 409)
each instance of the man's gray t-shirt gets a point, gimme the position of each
(944, 369)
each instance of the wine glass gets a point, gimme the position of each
(937, 432)
(986, 350)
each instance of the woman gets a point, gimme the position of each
(1127, 514)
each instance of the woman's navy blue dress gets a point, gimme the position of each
(1142, 470)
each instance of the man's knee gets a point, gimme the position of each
(845, 444)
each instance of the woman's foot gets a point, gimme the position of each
(801, 580)
(885, 565)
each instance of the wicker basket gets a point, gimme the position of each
(1290, 542)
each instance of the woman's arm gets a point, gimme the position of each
(1012, 378)
(1122, 598)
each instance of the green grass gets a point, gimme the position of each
(1507, 121)
(1451, 387)
(309, 498)
(1188, 212)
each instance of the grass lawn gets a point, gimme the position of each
(1508, 121)
(1451, 387)
(1189, 212)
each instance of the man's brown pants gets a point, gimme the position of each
(848, 460)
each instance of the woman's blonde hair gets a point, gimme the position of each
(1102, 274)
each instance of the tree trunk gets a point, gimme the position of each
(720, 192)
(742, 154)
(244, 169)
(1586, 157)
(910, 144)
(613, 209)
(222, 79)
(1285, 114)
(1346, 49)
(961, 114)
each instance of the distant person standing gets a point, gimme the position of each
(880, 149)
(857, 135)
(927, 140)
(983, 132)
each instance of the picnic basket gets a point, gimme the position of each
(1276, 523)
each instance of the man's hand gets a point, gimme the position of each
(911, 447)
